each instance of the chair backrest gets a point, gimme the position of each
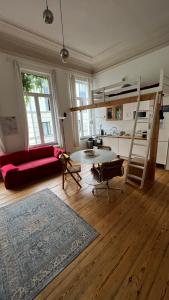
(111, 169)
(104, 147)
(64, 158)
(108, 170)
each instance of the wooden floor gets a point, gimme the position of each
(130, 258)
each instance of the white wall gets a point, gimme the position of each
(100, 119)
(8, 100)
(147, 66)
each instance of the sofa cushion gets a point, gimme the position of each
(15, 158)
(37, 163)
(57, 151)
(40, 152)
(8, 169)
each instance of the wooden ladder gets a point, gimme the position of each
(131, 163)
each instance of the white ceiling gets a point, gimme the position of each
(106, 32)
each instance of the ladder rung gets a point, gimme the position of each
(137, 144)
(134, 177)
(137, 155)
(136, 166)
(136, 138)
(134, 159)
(144, 122)
(140, 110)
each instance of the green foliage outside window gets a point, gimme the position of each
(35, 84)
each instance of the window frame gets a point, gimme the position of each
(48, 128)
(36, 97)
(81, 99)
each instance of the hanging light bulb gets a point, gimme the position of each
(48, 15)
(64, 53)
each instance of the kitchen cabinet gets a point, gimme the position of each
(140, 148)
(112, 142)
(144, 105)
(114, 113)
(121, 146)
(115, 145)
(128, 111)
(162, 152)
(129, 108)
(124, 147)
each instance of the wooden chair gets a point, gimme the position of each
(68, 168)
(106, 172)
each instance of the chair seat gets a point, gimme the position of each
(68, 168)
(74, 169)
(105, 173)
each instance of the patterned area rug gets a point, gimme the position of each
(39, 237)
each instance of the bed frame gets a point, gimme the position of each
(122, 93)
(127, 92)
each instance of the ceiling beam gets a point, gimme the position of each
(125, 100)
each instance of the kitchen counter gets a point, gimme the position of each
(122, 137)
(120, 144)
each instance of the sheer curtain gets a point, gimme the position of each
(2, 141)
(56, 108)
(76, 137)
(23, 125)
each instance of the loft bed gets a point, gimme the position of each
(128, 92)
(125, 92)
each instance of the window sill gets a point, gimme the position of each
(85, 138)
(45, 144)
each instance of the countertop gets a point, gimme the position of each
(123, 137)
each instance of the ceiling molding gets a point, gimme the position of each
(12, 30)
(18, 41)
(16, 47)
(112, 62)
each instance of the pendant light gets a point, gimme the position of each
(48, 15)
(64, 53)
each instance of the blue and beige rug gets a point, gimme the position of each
(39, 236)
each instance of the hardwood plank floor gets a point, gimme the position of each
(129, 260)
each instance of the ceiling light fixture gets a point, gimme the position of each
(64, 53)
(48, 15)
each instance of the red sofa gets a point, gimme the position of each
(21, 167)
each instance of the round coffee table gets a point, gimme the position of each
(100, 156)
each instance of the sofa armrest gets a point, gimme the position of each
(7, 169)
(57, 151)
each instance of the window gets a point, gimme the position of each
(85, 117)
(38, 103)
(47, 129)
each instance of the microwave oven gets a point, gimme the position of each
(141, 114)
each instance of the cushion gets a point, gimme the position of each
(40, 152)
(57, 151)
(15, 158)
(8, 169)
(37, 163)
